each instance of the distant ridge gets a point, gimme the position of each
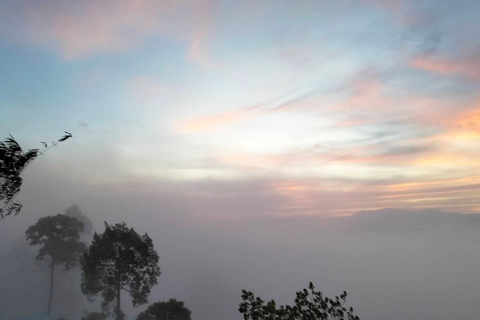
(389, 219)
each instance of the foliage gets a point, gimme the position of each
(59, 237)
(120, 259)
(13, 160)
(170, 310)
(309, 305)
(94, 316)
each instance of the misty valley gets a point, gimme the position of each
(240, 160)
(386, 260)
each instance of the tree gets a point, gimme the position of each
(94, 316)
(170, 310)
(309, 305)
(59, 237)
(13, 160)
(120, 259)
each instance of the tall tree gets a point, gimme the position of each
(309, 305)
(170, 310)
(59, 237)
(13, 160)
(120, 259)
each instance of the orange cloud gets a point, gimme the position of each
(81, 28)
(469, 122)
(211, 122)
(467, 68)
(326, 197)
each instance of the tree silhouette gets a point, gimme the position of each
(170, 310)
(13, 160)
(94, 316)
(309, 305)
(59, 237)
(120, 259)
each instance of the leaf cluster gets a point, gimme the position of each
(120, 259)
(13, 160)
(170, 310)
(59, 237)
(94, 316)
(309, 305)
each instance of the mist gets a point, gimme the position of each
(260, 145)
(394, 264)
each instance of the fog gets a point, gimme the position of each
(394, 264)
(261, 145)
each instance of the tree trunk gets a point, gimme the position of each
(118, 311)
(119, 314)
(52, 269)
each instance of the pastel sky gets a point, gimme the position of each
(299, 107)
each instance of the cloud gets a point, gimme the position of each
(199, 50)
(466, 68)
(286, 102)
(366, 94)
(212, 122)
(469, 122)
(80, 29)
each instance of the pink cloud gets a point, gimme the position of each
(201, 33)
(367, 94)
(330, 197)
(465, 125)
(209, 123)
(80, 29)
(466, 68)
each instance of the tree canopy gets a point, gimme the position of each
(170, 310)
(59, 237)
(309, 305)
(94, 316)
(120, 259)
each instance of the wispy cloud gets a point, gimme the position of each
(468, 68)
(81, 29)
(284, 102)
(366, 94)
(468, 122)
(212, 122)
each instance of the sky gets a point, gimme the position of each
(330, 106)
(244, 136)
